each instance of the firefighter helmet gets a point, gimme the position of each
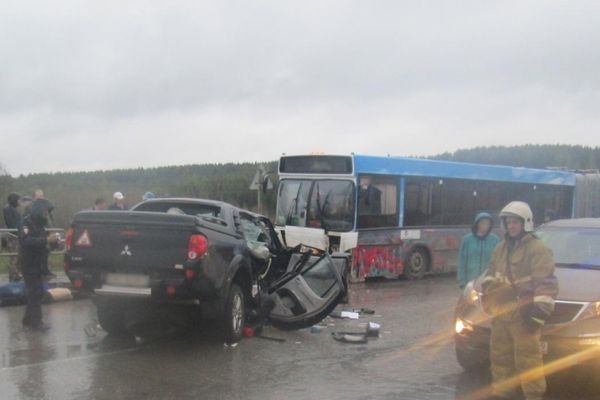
(519, 209)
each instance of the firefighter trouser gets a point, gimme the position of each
(516, 357)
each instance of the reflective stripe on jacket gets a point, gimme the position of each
(530, 281)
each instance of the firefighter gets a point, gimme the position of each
(519, 291)
(34, 247)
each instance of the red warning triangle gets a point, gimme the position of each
(84, 240)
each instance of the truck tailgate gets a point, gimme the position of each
(130, 242)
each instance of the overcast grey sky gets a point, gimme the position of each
(110, 84)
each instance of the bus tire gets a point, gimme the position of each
(417, 264)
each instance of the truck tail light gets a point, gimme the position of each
(197, 246)
(190, 273)
(171, 291)
(69, 239)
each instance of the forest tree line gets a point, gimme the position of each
(71, 192)
(75, 191)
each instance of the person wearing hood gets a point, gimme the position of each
(476, 249)
(34, 244)
(12, 219)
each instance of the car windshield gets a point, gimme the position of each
(326, 204)
(579, 248)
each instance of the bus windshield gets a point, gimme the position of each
(326, 204)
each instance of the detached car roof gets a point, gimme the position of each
(190, 200)
(187, 200)
(581, 223)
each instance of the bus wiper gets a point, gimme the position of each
(321, 209)
(294, 208)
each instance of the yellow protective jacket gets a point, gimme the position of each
(520, 280)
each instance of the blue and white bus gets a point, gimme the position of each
(404, 216)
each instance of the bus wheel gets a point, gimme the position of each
(417, 264)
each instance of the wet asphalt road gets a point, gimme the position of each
(413, 358)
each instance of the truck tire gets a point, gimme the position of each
(111, 317)
(235, 315)
(417, 263)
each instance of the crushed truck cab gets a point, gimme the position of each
(225, 262)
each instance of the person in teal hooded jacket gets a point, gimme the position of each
(476, 249)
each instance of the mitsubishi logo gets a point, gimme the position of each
(126, 251)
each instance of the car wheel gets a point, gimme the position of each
(470, 362)
(417, 264)
(111, 317)
(235, 315)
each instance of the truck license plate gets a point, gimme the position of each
(135, 280)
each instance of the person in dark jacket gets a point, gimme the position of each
(34, 243)
(12, 216)
(476, 249)
(12, 219)
(99, 205)
(27, 202)
(27, 207)
(119, 204)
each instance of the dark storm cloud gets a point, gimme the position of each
(162, 79)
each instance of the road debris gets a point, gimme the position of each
(373, 329)
(369, 330)
(316, 329)
(345, 315)
(349, 338)
(270, 338)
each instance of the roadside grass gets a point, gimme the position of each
(55, 261)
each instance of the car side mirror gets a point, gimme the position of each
(260, 252)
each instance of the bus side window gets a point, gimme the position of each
(378, 202)
(422, 202)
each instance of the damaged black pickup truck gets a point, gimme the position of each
(209, 258)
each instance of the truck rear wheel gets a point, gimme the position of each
(111, 317)
(235, 315)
